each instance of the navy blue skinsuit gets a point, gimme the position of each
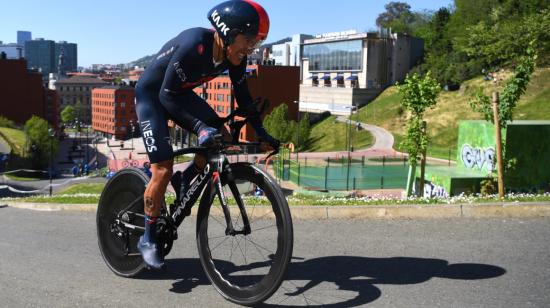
(164, 91)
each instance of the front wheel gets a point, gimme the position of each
(246, 268)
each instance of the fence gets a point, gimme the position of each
(344, 174)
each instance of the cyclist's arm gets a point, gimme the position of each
(177, 73)
(243, 97)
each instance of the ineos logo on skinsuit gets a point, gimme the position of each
(148, 136)
(220, 24)
(179, 72)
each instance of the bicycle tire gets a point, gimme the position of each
(215, 270)
(125, 187)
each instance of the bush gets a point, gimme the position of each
(5, 122)
(488, 187)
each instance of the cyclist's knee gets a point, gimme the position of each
(162, 172)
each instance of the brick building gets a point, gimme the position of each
(113, 109)
(78, 88)
(278, 84)
(22, 94)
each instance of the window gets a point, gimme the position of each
(335, 56)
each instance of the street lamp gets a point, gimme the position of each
(348, 133)
(298, 132)
(87, 143)
(349, 143)
(51, 133)
(96, 156)
(132, 128)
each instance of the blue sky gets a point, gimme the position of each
(119, 31)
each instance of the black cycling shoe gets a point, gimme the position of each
(151, 253)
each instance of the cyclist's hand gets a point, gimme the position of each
(269, 144)
(207, 136)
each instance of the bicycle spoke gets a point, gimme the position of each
(260, 246)
(263, 228)
(219, 244)
(232, 243)
(218, 221)
(244, 257)
(252, 222)
(259, 252)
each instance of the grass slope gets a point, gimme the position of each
(16, 139)
(452, 107)
(86, 188)
(330, 135)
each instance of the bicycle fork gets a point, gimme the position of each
(230, 229)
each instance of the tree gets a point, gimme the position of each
(302, 132)
(278, 125)
(418, 94)
(401, 19)
(79, 110)
(68, 114)
(504, 41)
(394, 11)
(513, 89)
(39, 140)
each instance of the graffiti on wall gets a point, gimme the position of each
(478, 158)
(432, 190)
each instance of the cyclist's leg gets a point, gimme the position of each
(194, 108)
(154, 128)
(152, 118)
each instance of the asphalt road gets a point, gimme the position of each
(51, 259)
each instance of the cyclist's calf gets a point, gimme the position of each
(154, 194)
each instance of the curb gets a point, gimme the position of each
(489, 210)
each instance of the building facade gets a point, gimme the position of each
(113, 111)
(278, 84)
(70, 55)
(78, 89)
(44, 55)
(22, 94)
(289, 53)
(343, 71)
(22, 37)
(12, 51)
(40, 54)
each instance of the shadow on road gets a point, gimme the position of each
(356, 275)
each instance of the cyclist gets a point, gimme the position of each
(164, 92)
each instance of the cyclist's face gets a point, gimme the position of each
(241, 47)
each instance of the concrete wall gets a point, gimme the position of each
(335, 100)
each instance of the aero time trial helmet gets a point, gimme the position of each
(235, 17)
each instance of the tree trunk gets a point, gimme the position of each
(498, 137)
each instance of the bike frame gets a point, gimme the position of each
(209, 177)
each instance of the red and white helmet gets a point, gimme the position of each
(235, 17)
